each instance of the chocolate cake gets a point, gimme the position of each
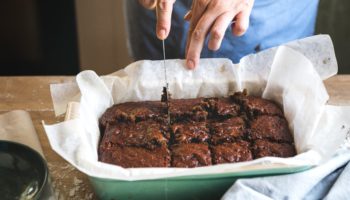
(224, 107)
(129, 157)
(264, 148)
(133, 111)
(271, 128)
(201, 132)
(257, 105)
(229, 130)
(148, 134)
(190, 132)
(232, 152)
(190, 155)
(188, 109)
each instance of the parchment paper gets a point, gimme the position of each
(17, 126)
(318, 49)
(291, 80)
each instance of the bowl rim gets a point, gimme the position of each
(40, 158)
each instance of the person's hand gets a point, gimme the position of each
(213, 17)
(164, 9)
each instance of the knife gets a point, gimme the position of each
(166, 95)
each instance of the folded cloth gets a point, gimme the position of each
(329, 180)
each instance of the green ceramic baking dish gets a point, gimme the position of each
(186, 187)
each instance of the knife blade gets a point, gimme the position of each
(165, 96)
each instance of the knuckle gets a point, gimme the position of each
(197, 34)
(218, 6)
(163, 5)
(202, 3)
(216, 34)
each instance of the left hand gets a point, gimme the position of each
(213, 17)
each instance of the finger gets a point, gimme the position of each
(218, 30)
(164, 10)
(198, 38)
(198, 8)
(149, 4)
(242, 20)
(188, 16)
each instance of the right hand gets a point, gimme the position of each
(164, 10)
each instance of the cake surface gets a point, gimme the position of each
(232, 152)
(190, 132)
(188, 109)
(257, 105)
(133, 111)
(264, 148)
(201, 132)
(190, 155)
(132, 157)
(229, 130)
(271, 128)
(146, 134)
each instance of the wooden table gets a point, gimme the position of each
(33, 95)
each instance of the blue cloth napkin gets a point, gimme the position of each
(330, 180)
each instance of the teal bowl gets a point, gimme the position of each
(23, 172)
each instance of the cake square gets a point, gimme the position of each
(148, 134)
(272, 128)
(134, 111)
(188, 109)
(262, 148)
(224, 107)
(231, 152)
(132, 157)
(190, 132)
(190, 155)
(257, 105)
(228, 130)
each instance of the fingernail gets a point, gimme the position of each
(162, 33)
(188, 16)
(190, 64)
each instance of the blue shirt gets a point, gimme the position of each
(272, 22)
